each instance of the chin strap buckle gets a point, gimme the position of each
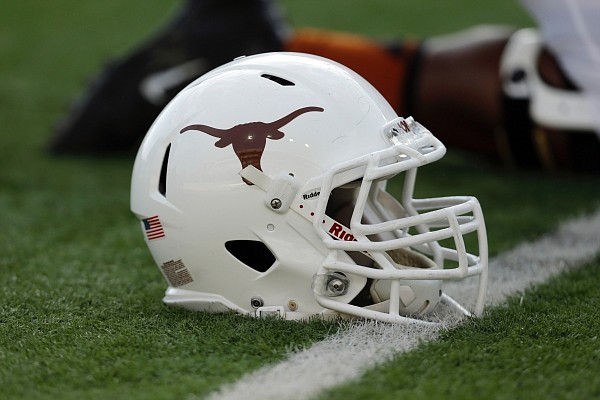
(281, 190)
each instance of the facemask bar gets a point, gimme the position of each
(442, 218)
(426, 242)
(411, 146)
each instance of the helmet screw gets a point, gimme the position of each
(256, 302)
(276, 204)
(292, 305)
(336, 286)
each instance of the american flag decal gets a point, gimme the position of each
(153, 228)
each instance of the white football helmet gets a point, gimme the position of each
(261, 188)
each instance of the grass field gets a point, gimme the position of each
(80, 309)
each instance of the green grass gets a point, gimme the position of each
(542, 345)
(80, 309)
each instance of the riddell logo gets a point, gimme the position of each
(339, 232)
(311, 195)
(249, 140)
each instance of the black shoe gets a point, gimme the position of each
(116, 110)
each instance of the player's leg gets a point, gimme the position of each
(117, 108)
(452, 84)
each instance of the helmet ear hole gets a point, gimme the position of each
(255, 254)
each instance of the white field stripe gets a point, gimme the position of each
(346, 355)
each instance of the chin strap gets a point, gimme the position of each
(282, 194)
(281, 190)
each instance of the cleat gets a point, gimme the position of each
(115, 111)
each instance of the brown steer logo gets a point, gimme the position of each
(249, 140)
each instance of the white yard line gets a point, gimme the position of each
(346, 355)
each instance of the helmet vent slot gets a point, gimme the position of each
(253, 253)
(278, 79)
(162, 180)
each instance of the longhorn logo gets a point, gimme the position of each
(249, 140)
